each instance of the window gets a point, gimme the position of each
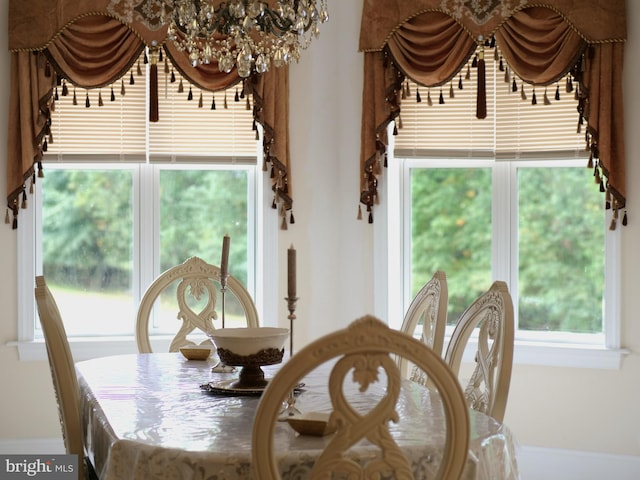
(505, 198)
(124, 199)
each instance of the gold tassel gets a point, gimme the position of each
(122, 89)
(546, 97)
(358, 216)
(23, 205)
(403, 95)
(75, 100)
(612, 225)
(225, 100)
(429, 101)
(7, 218)
(139, 70)
(467, 75)
(451, 93)
(248, 105)
(200, 100)
(166, 65)
(180, 86)
(283, 226)
(507, 75)
(523, 94)
(569, 86)
(100, 102)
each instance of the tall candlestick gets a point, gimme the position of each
(224, 262)
(291, 270)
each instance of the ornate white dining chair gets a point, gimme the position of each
(492, 313)
(430, 306)
(63, 373)
(199, 279)
(364, 348)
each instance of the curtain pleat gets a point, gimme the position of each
(271, 110)
(93, 49)
(31, 90)
(539, 45)
(431, 48)
(538, 42)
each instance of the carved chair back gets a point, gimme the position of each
(63, 373)
(363, 348)
(198, 279)
(430, 306)
(488, 388)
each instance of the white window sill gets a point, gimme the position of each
(555, 354)
(525, 352)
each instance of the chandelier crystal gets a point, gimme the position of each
(251, 35)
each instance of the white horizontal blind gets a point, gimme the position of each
(190, 132)
(514, 127)
(451, 127)
(119, 130)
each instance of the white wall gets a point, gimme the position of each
(565, 408)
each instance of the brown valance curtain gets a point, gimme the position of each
(429, 41)
(95, 43)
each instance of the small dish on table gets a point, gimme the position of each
(311, 423)
(196, 352)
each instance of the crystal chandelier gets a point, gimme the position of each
(249, 34)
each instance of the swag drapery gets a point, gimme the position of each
(93, 43)
(429, 41)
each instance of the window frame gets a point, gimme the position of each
(392, 280)
(262, 230)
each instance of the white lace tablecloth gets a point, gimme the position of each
(147, 418)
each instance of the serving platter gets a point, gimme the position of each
(227, 387)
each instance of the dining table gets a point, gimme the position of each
(156, 416)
